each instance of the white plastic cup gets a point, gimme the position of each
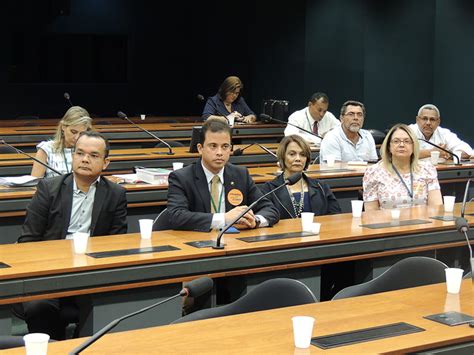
(315, 228)
(80, 241)
(146, 226)
(307, 221)
(36, 343)
(435, 157)
(395, 212)
(142, 117)
(357, 206)
(177, 166)
(458, 153)
(302, 331)
(330, 159)
(231, 119)
(449, 203)
(453, 279)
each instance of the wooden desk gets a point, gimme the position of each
(50, 269)
(270, 332)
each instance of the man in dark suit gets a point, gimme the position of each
(63, 205)
(211, 192)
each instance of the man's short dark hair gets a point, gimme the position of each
(95, 134)
(215, 125)
(352, 103)
(318, 96)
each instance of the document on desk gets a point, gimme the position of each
(25, 180)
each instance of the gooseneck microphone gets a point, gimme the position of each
(464, 199)
(266, 118)
(123, 116)
(443, 149)
(462, 227)
(19, 151)
(291, 180)
(194, 288)
(68, 98)
(239, 151)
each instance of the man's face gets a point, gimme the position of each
(215, 150)
(428, 121)
(353, 119)
(89, 157)
(318, 109)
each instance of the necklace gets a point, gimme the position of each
(297, 206)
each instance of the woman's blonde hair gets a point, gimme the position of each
(75, 116)
(282, 147)
(385, 148)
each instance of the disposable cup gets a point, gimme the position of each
(357, 206)
(177, 165)
(330, 159)
(142, 117)
(395, 213)
(36, 343)
(80, 241)
(146, 226)
(315, 228)
(449, 203)
(453, 279)
(302, 331)
(307, 221)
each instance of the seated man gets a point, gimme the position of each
(211, 192)
(427, 127)
(81, 201)
(349, 142)
(314, 118)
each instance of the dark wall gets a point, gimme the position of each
(155, 57)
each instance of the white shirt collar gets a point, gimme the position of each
(210, 175)
(308, 115)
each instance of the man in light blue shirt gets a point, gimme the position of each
(349, 142)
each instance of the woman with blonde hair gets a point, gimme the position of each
(400, 179)
(57, 153)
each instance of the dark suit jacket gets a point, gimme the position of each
(189, 198)
(322, 199)
(49, 212)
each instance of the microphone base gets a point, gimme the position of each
(220, 246)
(163, 153)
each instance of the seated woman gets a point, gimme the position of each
(307, 195)
(228, 101)
(57, 153)
(400, 179)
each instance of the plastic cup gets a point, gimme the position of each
(395, 213)
(231, 119)
(357, 206)
(457, 153)
(453, 279)
(36, 343)
(435, 157)
(315, 228)
(80, 241)
(142, 117)
(177, 166)
(302, 331)
(146, 226)
(307, 221)
(449, 203)
(330, 159)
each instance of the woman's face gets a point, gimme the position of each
(294, 159)
(401, 145)
(231, 96)
(71, 133)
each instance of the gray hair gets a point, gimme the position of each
(429, 107)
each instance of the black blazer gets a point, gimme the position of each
(322, 200)
(189, 198)
(49, 212)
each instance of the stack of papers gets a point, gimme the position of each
(25, 180)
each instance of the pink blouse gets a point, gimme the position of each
(387, 188)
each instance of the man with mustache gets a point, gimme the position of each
(81, 201)
(349, 142)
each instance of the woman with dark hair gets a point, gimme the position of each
(229, 102)
(307, 195)
(400, 179)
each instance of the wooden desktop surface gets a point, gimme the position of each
(270, 332)
(40, 259)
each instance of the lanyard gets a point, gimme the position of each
(410, 193)
(65, 162)
(218, 210)
(309, 121)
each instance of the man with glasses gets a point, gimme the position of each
(81, 201)
(427, 127)
(349, 142)
(211, 192)
(314, 118)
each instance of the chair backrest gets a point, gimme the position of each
(162, 221)
(171, 143)
(468, 275)
(409, 272)
(379, 136)
(275, 293)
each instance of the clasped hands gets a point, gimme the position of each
(247, 221)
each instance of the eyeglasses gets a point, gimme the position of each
(353, 114)
(400, 141)
(430, 119)
(214, 147)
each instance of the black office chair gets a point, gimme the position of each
(275, 293)
(171, 143)
(467, 276)
(378, 135)
(409, 272)
(5, 149)
(162, 221)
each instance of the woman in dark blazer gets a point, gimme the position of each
(307, 195)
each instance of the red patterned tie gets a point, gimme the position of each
(315, 127)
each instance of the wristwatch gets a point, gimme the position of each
(257, 221)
